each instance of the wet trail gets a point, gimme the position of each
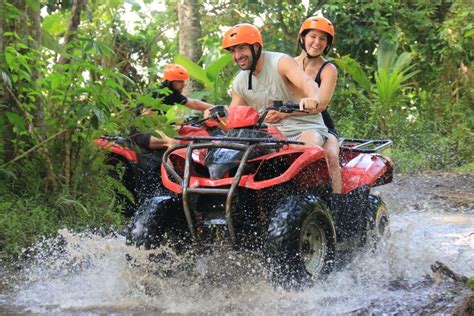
(90, 274)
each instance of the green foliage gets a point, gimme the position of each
(467, 168)
(352, 67)
(25, 218)
(216, 87)
(386, 93)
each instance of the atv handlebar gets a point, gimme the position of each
(287, 107)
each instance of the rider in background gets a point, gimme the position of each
(170, 92)
(316, 37)
(270, 76)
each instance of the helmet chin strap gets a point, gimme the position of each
(253, 66)
(312, 57)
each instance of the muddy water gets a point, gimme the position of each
(89, 274)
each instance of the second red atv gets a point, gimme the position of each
(252, 189)
(137, 168)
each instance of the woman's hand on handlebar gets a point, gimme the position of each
(309, 104)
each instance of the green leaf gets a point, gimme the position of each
(11, 34)
(124, 77)
(17, 120)
(112, 84)
(135, 5)
(11, 11)
(194, 70)
(469, 33)
(387, 55)
(48, 41)
(7, 174)
(101, 118)
(55, 24)
(470, 282)
(6, 79)
(213, 70)
(10, 59)
(104, 49)
(353, 68)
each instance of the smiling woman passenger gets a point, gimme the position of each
(316, 37)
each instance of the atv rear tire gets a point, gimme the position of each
(300, 241)
(378, 220)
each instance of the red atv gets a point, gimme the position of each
(138, 169)
(251, 190)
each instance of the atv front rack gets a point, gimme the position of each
(363, 145)
(252, 140)
(222, 142)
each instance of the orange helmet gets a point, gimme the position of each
(175, 72)
(242, 33)
(319, 23)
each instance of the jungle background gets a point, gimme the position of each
(72, 70)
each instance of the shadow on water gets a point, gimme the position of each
(87, 273)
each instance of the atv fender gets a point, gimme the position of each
(366, 169)
(153, 218)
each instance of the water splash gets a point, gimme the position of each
(92, 273)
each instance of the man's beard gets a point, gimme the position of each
(247, 66)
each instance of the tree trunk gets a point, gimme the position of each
(189, 31)
(34, 18)
(6, 99)
(24, 26)
(74, 21)
(73, 25)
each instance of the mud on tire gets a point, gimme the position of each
(300, 241)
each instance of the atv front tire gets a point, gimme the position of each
(155, 219)
(300, 241)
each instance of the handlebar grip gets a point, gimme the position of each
(292, 105)
(287, 105)
(218, 111)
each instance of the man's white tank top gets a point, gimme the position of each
(269, 86)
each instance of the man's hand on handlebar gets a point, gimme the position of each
(309, 104)
(275, 116)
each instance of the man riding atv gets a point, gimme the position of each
(174, 77)
(140, 154)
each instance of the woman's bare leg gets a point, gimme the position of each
(331, 148)
(311, 138)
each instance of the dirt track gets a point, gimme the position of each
(451, 190)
